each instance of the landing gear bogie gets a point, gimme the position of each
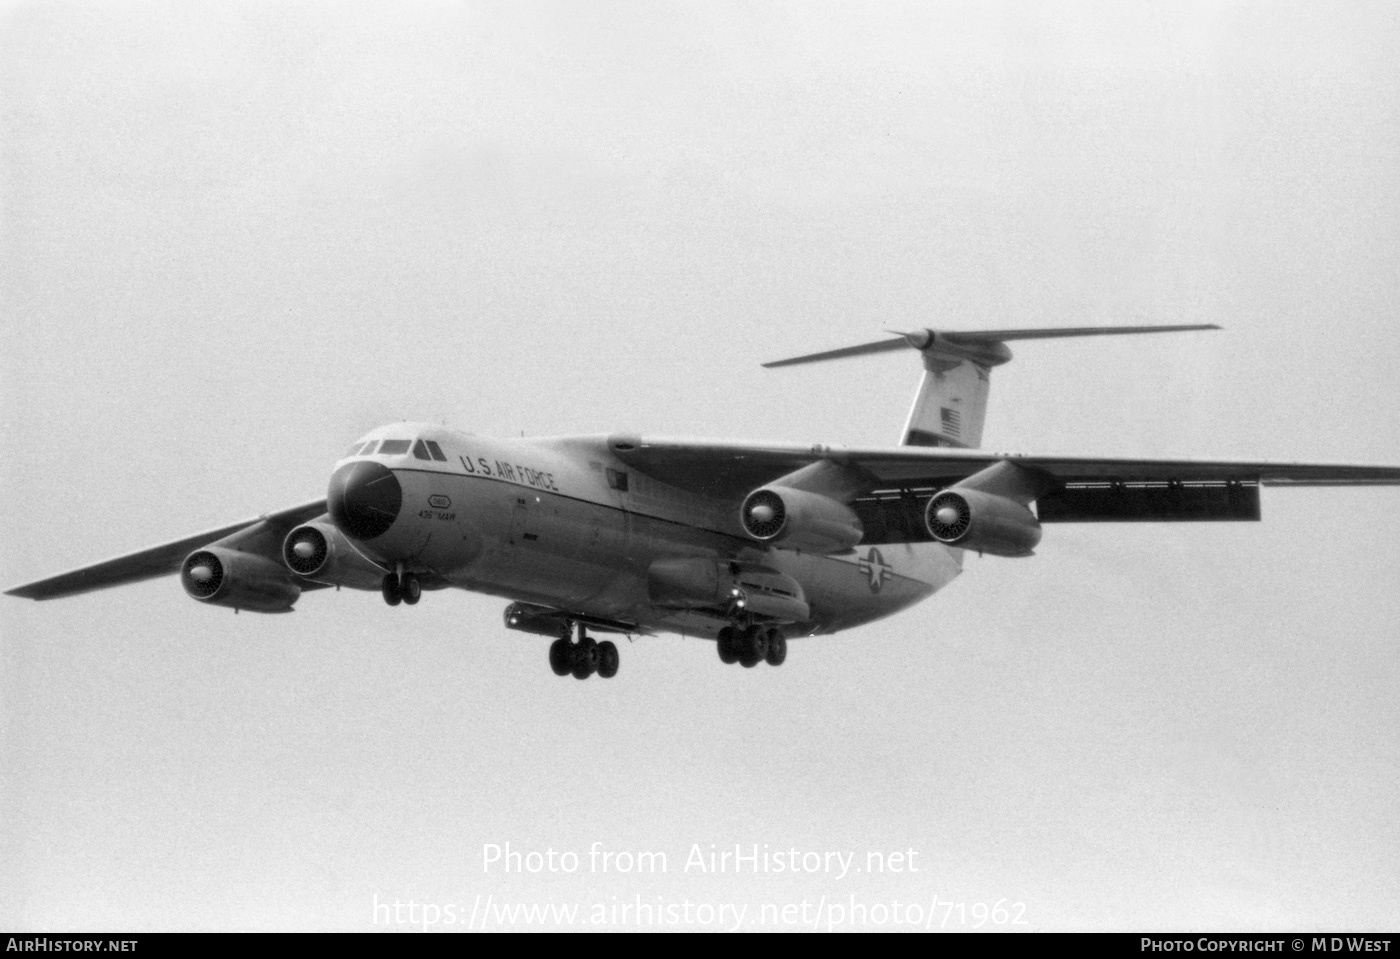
(750, 645)
(583, 658)
(404, 588)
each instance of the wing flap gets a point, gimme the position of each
(1150, 502)
(733, 469)
(162, 559)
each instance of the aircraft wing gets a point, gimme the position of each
(165, 559)
(1083, 489)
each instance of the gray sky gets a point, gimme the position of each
(237, 236)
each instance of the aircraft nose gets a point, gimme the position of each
(364, 499)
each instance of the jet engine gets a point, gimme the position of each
(321, 553)
(798, 519)
(982, 521)
(225, 577)
(724, 587)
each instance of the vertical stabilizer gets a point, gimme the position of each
(950, 407)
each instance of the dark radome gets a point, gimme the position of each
(364, 499)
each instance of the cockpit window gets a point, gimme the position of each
(420, 451)
(394, 447)
(369, 448)
(353, 451)
(436, 451)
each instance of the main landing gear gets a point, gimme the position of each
(583, 658)
(401, 588)
(750, 645)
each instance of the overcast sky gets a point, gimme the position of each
(237, 236)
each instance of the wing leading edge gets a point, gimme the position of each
(163, 559)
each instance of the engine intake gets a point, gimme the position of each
(982, 521)
(305, 550)
(320, 552)
(224, 577)
(798, 519)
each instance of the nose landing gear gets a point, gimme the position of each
(583, 658)
(401, 587)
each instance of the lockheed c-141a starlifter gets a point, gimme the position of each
(748, 544)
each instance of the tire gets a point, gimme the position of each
(390, 590)
(756, 643)
(752, 647)
(411, 589)
(559, 657)
(585, 659)
(725, 641)
(608, 659)
(777, 648)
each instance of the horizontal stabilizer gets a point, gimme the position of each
(983, 336)
(882, 346)
(923, 339)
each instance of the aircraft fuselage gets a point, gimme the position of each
(564, 524)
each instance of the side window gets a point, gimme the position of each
(436, 451)
(420, 451)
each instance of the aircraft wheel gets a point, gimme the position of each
(777, 647)
(559, 657)
(411, 589)
(753, 647)
(585, 659)
(607, 659)
(725, 641)
(390, 589)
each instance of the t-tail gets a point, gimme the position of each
(950, 406)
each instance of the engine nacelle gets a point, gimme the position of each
(321, 553)
(976, 520)
(797, 519)
(724, 587)
(225, 577)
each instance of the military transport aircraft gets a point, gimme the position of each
(744, 543)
